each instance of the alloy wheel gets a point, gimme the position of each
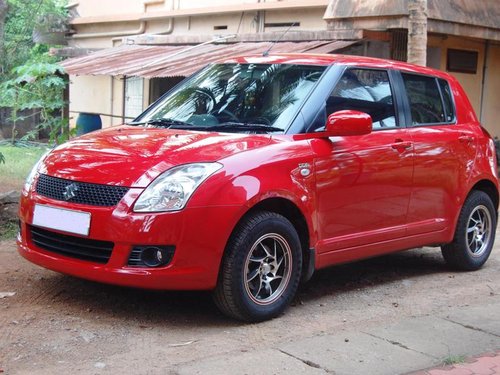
(478, 234)
(267, 269)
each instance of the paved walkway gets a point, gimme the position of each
(487, 364)
(402, 347)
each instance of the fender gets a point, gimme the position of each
(285, 169)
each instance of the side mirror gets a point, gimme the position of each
(345, 123)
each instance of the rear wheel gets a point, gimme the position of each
(260, 272)
(474, 234)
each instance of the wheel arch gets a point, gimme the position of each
(489, 188)
(293, 213)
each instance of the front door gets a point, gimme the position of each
(363, 183)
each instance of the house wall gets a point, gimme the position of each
(205, 24)
(472, 83)
(310, 19)
(483, 87)
(91, 8)
(490, 114)
(117, 99)
(96, 94)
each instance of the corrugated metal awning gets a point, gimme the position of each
(180, 60)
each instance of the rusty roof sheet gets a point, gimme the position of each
(180, 60)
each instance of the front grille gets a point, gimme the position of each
(82, 192)
(71, 246)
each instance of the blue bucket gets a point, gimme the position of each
(88, 122)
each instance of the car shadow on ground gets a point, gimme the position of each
(373, 272)
(159, 308)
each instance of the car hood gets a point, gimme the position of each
(133, 156)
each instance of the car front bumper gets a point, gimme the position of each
(199, 235)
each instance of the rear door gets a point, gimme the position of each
(363, 182)
(444, 153)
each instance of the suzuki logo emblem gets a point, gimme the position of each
(70, 191)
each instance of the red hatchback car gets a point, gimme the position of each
(254, 172)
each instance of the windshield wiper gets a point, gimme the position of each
(226, 126)
(247, 126)
(161, 122)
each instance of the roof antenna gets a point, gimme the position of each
(266, 52)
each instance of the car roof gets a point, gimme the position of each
(333, 59)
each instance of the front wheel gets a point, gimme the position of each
(261, 268)
(474, 234)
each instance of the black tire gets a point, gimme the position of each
(263, 246)
(474, 234)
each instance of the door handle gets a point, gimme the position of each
(401, 145)
(464, 138)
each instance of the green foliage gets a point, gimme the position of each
(22, 18)
(31, 78)
(8, 230)
(453, 360)
(37, 84)
(19, 161)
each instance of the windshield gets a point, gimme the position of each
(236, 97)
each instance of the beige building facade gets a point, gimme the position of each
(118, 43)
(111, 23)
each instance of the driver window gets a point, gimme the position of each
(367, 91)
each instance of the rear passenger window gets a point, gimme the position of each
(447, 100)
(367, 91)
(426, 104)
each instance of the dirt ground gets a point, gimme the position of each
(57, 324)
(9, 185)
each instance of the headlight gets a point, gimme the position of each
(34, 170)
(172, 189)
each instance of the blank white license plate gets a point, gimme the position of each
(61, 219)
